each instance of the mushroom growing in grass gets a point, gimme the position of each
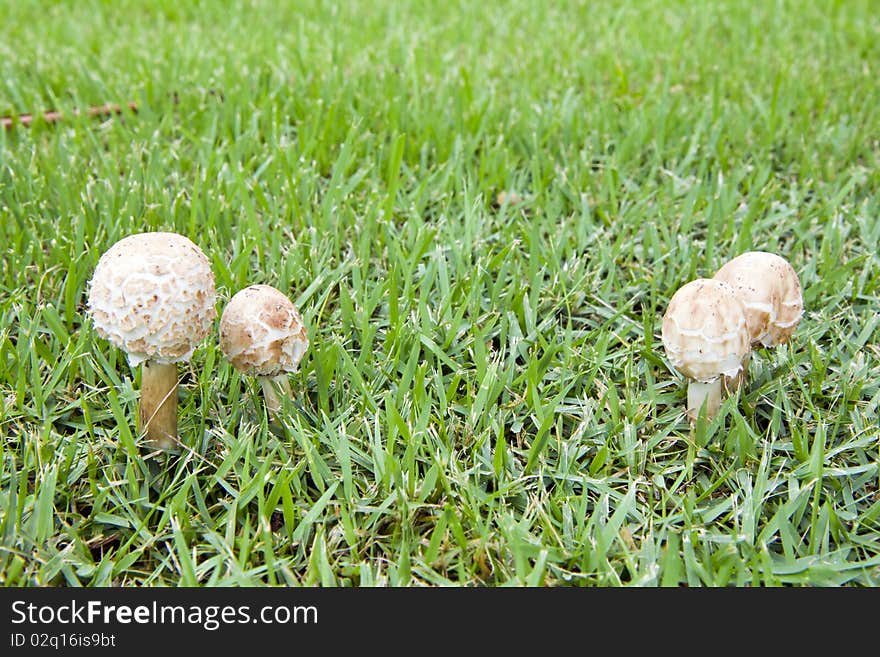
(770, 292)
(769, 289)
(152, 295)
(262, 334)
(706, 339)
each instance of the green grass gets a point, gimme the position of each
(486, 399)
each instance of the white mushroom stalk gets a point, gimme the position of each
(262, 334)
(152, 295)
(705, 337)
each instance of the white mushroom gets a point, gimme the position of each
(262, 334)
(769, 289)
(706, 339)
(152, 295)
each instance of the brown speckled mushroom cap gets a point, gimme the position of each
(769, 289)
(152, 295)
(704, 331)
(262, 332)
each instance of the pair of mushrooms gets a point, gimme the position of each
(711, 325)
(152, 295)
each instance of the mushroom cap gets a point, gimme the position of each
(769, 289)
(704, 330)
(262, 332)
(152, 295)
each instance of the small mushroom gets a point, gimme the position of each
(262, 334)
(706, 339)
(769, 289)
(152, 295)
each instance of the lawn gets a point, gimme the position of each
(485, 400)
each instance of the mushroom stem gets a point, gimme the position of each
(272, 386)
(158, 408)
(698, 392)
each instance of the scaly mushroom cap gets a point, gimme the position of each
(704, 330)
(262, 332)
(152, 295)
(770, 291)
